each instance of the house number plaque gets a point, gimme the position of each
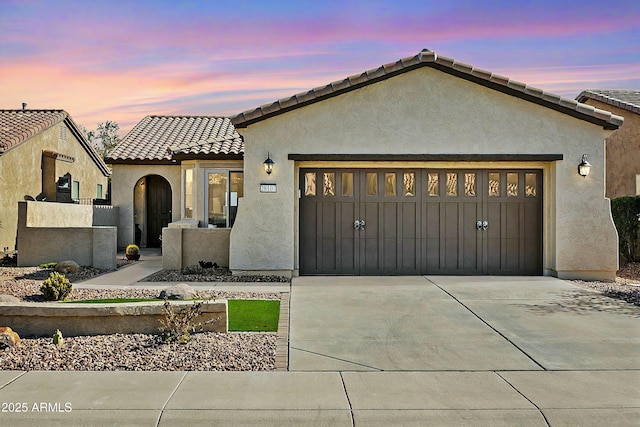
(268, 188)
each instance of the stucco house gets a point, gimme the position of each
(180, 170)
(421, 166)
(623, 146)
(44, 156)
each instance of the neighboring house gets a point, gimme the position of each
(44, 156)
(170, 168)
(421, 166)
(623, 146)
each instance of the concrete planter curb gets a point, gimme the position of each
(40, 319)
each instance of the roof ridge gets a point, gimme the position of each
(427, 57)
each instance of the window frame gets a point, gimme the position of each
(227, 205)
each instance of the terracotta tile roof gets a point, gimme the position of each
(17, 126)
(627, 99)
(160, 138)
(448, 65)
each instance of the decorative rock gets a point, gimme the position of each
(8, 338)
(179, 291)
(66, 267)
(9, 298)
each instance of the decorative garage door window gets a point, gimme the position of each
(421, 222)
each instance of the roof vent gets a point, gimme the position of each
(24, 106)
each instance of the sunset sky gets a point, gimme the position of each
(122, 60)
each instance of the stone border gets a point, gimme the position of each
(282, 343)
(42, 319)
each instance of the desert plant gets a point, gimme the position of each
(208, 264)
(56, 288)
(626, 216)
(132, 250)
(178, 325)
(48, 265)
(57, 338)
(192, 269)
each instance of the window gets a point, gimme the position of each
(99, 191)
(188, 193)
(75, 190)
(223, 189)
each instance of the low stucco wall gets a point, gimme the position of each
(182, 247)
(29, 319)
(55, 232)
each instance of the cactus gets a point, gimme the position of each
(56, 288)
(132, 250)
(57, 338)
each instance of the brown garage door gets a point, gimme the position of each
(403, 221)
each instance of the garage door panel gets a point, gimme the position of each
(421, 222)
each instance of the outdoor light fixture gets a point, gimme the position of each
(268, 164)
(584, 167)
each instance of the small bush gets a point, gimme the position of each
(208, 264)
(56, 288)
(48, 265)
(177, 325)
(9, 260)
(626, 216)
(192, 269)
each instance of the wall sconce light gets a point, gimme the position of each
(584, 167)
(268, 164)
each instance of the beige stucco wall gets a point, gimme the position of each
(21, 174)
(623, 152)
(183, 247)
(131, 197)
(123, 188)
(427, 111)
(68, 234)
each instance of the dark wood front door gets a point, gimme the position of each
(401, 221)
(158, 197)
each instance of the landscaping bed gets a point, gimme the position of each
(205, 351)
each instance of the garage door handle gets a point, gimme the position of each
(359, 224)
(482, 225)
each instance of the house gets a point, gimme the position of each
(421, 166)
(44, 156)
(185, 170)
(623, 146)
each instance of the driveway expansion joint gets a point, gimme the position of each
(525, 397)
(489, 325)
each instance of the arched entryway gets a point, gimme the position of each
(152, 209)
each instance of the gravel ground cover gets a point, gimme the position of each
(205, 352)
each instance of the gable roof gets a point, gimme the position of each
(19, 126)
(162, 139)
(627, 99)
(431, 59)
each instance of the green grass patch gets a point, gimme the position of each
(253, 315)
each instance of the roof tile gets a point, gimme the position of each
(429, 58)
(17, 126)
(161, 137)
(627, 99)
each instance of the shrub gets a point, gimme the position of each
(192, 269)
(177, 325)
(132, 250)
(50, 265)
(626, 216)
(56, 287)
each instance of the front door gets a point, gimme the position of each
(158, 197)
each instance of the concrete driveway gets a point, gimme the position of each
(443, 323)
